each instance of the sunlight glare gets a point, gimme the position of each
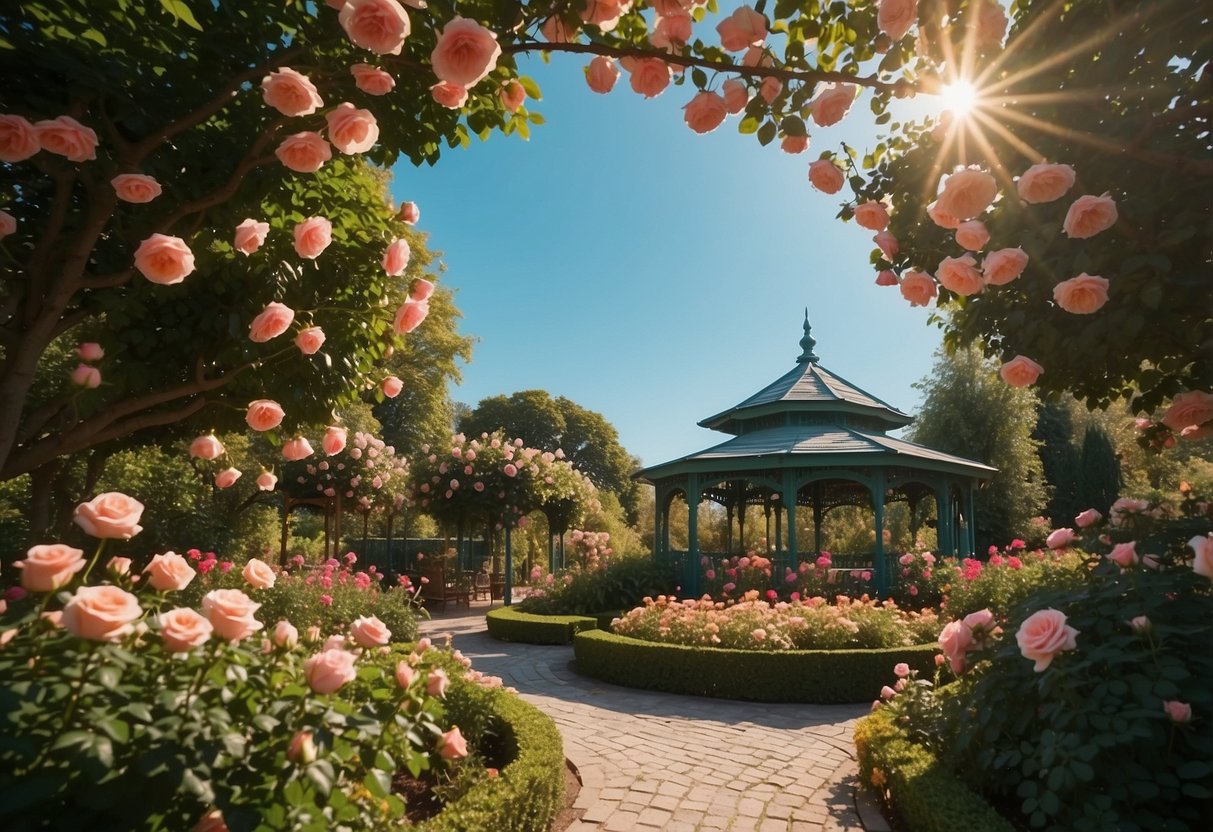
(960, 97)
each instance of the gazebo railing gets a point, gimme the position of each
(690, 570)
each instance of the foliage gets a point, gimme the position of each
(368, 472)
(1099, 480)
(618, 585)
(514, 624)
(1060, 459)
(920, 578)
(1006, 578)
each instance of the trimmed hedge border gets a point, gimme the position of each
(508, 624)
(927, 796)
(808, 676)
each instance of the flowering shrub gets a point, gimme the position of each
(616, 585)
(735, 576)
(920, 578)
(590, 550)
(1008, 577)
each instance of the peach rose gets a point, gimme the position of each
(352, 130)
(369, 631)
(86, 376)
(887, 243)
(371, 80)
(163, 259)
(960, 275)
(1194, 407)
(274, 320)
(312, 237)
(1124, 555)
(1060, 538)
(118, 566)
(212, 821)
(436, 683)
(742, 29)
(956, 639)
(895, 17)
(885, 277)
(405, 674)
(111, 515)
(735, 95)
(967, 193)
(422, 289)
(670, 31)
(8, 224)
(291, 93)
(135, 187)
(48, 567)
(183, 629)
(304, 152)
(410, 213)
(1089, 215)
(285, 634)
(556, 30)
(250, 234)
(329, 671)
(705, 112)
(101, 613)
(334, 440)
(206, 447)
(512, 95)
(990, 23)
(825, 176)
(302, 748)
(378, 25)
(410, 315)
(452, 746)
(1202, 549)
(18, 139)
(90, 351)
(1043, 635)
(1087, 518)
(227, 477)
(64, 136)
(1020, 371)
(297, 449)
(872, 216)
(790, 144)
(1177, 711)
(169, 572)
(601, 74)
(1001, 267)
(972, 235)
(769, 89)
(604, 14)
(648, 76)
(396, 257)
(230, 612)
(451, 96)
(258, 574)
(1081, 295)
(465, 52)
(832, 103)
(918, 288)
(310, 340)
(392, 386)
(940, 217)
(264, 414)
(1045, 183)
(266, 481)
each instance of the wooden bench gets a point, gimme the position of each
(438, 586)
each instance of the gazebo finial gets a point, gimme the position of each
(807, 342)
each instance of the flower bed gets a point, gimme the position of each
(510, 624)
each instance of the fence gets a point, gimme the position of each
(399, 555)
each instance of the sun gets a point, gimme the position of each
(960, 97)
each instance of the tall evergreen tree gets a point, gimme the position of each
(1099, 478)
(1061, 459)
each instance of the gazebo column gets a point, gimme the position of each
(690, 571)
(818, 516)
(742, 506)
(970, 521)
(880, 566)
(943, 521)
(791, 559)
(778, 526)
(728, 535)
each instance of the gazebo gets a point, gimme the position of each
(810, 442)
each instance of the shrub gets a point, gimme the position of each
(1007, 578)
(620, 585)
(919, 579)
(511, 624)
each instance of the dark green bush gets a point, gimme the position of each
(511, 624)
(622, 584)
(819, 676)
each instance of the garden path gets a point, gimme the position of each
(652, 760)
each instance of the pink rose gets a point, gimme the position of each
(972, 235)
(101, 613)
(250, 234)
(118, 566)
(422, 289)
(169, 572)
(1124, 555)
(452, 746)
(888, 246)
(790, 144)
(670, 31)
(206, 447)
(183, 629)
(1060, 538)
(770, 89)
(378, 25)
(48, 567)
(990, 23)
(832, 103)
(1081, 295)
(18, 139)
(512, 95)
(90, 351)
(1043, 635)
(264, 414)
(310, 340)
(297, 449)
(465, 52)
(329, 671)
(1177, 711)
(1089, 215)
(405, 674)
(825, 176)
(872, 216)
(312, 237)
(334, 440)
(956, 639)
(396, 257)
(285, 634)
(980, 622)
(967, 193)
(86, 376)
(8, 224)
(1141, 624)
(410, 315)
(601, 74)
(290, 93)
(1194, 407)
(960, 275)
(895, 17)
(258, 574)
(369, 631)
(940, 217)
(212, 821)
(410, 213)
(1088, 518)
(1020, 371)
(705, 112)
(304, 152)
(135, 187)
(392, 386)
(371, 80)
(742, 29)
(604, 14)
(64, 136)
(1202, 548)
(352, 130)
(1001, 267)
(230, 612)
(274, 320)
(111, 515)
(437, 683)
(451, 96)
(885, 277)
(649, 76)
(886, 692)
(163, 259)
(266, 481)
(302, 748)
(735, 94)
(1045, 183)
(556, 30)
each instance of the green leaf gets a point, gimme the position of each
(532, 89)
(180, 11)
(699, 78)
(766, 133)
(378, 782)
(748, 125)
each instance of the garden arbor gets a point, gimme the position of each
(811, 442)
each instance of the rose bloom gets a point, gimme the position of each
(705, 112)
(940, 217)
(101, 613)
(378, 25)
(169, 572)
(1177, 711)
(206, 447)
(297, 449)
(791, 144)
(285, 634)
(967, 193)
(872, 216)
(465, 52)
(604, 14)
(742, 29)
(956, 639)
(886, 278)
(302, 748)
(960, 275)
(512, 95)
(258, 574)
(369, 631)
(451, 96)
(334, 440)
(1089, 215)
(1081, 295)
(422, 289)
(918, 288)
(410, 213)
(735, 95)
(671, 30)
(1043, 635)
(648, 76)
(250, 234)
(183, 629)
(266, 481)
(1087, 518)
(405, 674)
(888, 246)
(8, 224)
(64, 136)
(329, 671)
(48, 567)
(86, 376)
(163, 259)
(982, 620)
(396, 257)
(352, 130)
(832, 103)
(90, 351)
(371, 80)
(410, 315)
(304, 152)
(312, 237)
(901, 670)
(1045, 183)
(825, 176)
(392, 386)
(972, 235)
(111, 515)
(556, 30)
(895, 17)
(601, 74)
(1194, 407)
(1124, 555)
(118, 566)
(1202, 548)
(1060, 538)
(264, 414)
(290, 93)
(274, 320)
(990, 23)
(18, 139)
(1020, 371)
(452, 746)
(1001, 267)
(230, 612)
(135, 187)
(310, 340)
(437, 682)
(770, 89)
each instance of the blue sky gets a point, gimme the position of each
(652, 274)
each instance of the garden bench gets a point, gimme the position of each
(441, 587)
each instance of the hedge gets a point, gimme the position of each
(508, 624)
(810, 676)
(927, 796)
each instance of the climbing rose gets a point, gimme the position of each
(1020, 371)
(227, 478)
(18, 139)
(1081, 295)
(790, 144)
(972, 235)
(206, 447)
(832, 103)
(1002, 266)
(513, 96)
(410, 315)
(886, 278)
(940, 217)
(64, 136)
(396, 257)
(1060, 538)
(601, 74)
(556, 30)
(334, 440)
(918, 288)
(183, 629)
(1045, 182)
(371, 80)
(742, 29)
(163, 259)
(378, 25)
(264, 414)
(297, 449)
(312, 237)
(960, 275)
(46, 568)
(135, 187)
(872, 216)
(1089, 215)
(392, 387)
(169, 572)
(1202, 548)
(310, 340)
(895, 17)
(352, 130)
(1188, 409)
(111, 515)
(250, 234)
(671, 30)
(258, 574)
(422, 289)
(770, 89)
(452, 746)
(825, 176)
(410, 213)
(266, 481)
(86, 376)
(649, 76)
(274, 320)
(304, 152)
(451, 96)
(101, 613)
(465, 52)
(967, 193)
(736, 96)
(1043, 635)
(604, 14)
(991, 23)
(291, 93)
(705, 112)
(887, 243)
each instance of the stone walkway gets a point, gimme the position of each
(662, 761)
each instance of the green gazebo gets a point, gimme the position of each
(810, 442)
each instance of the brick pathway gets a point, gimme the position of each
(662, 761)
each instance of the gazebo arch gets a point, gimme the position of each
(811, 441)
